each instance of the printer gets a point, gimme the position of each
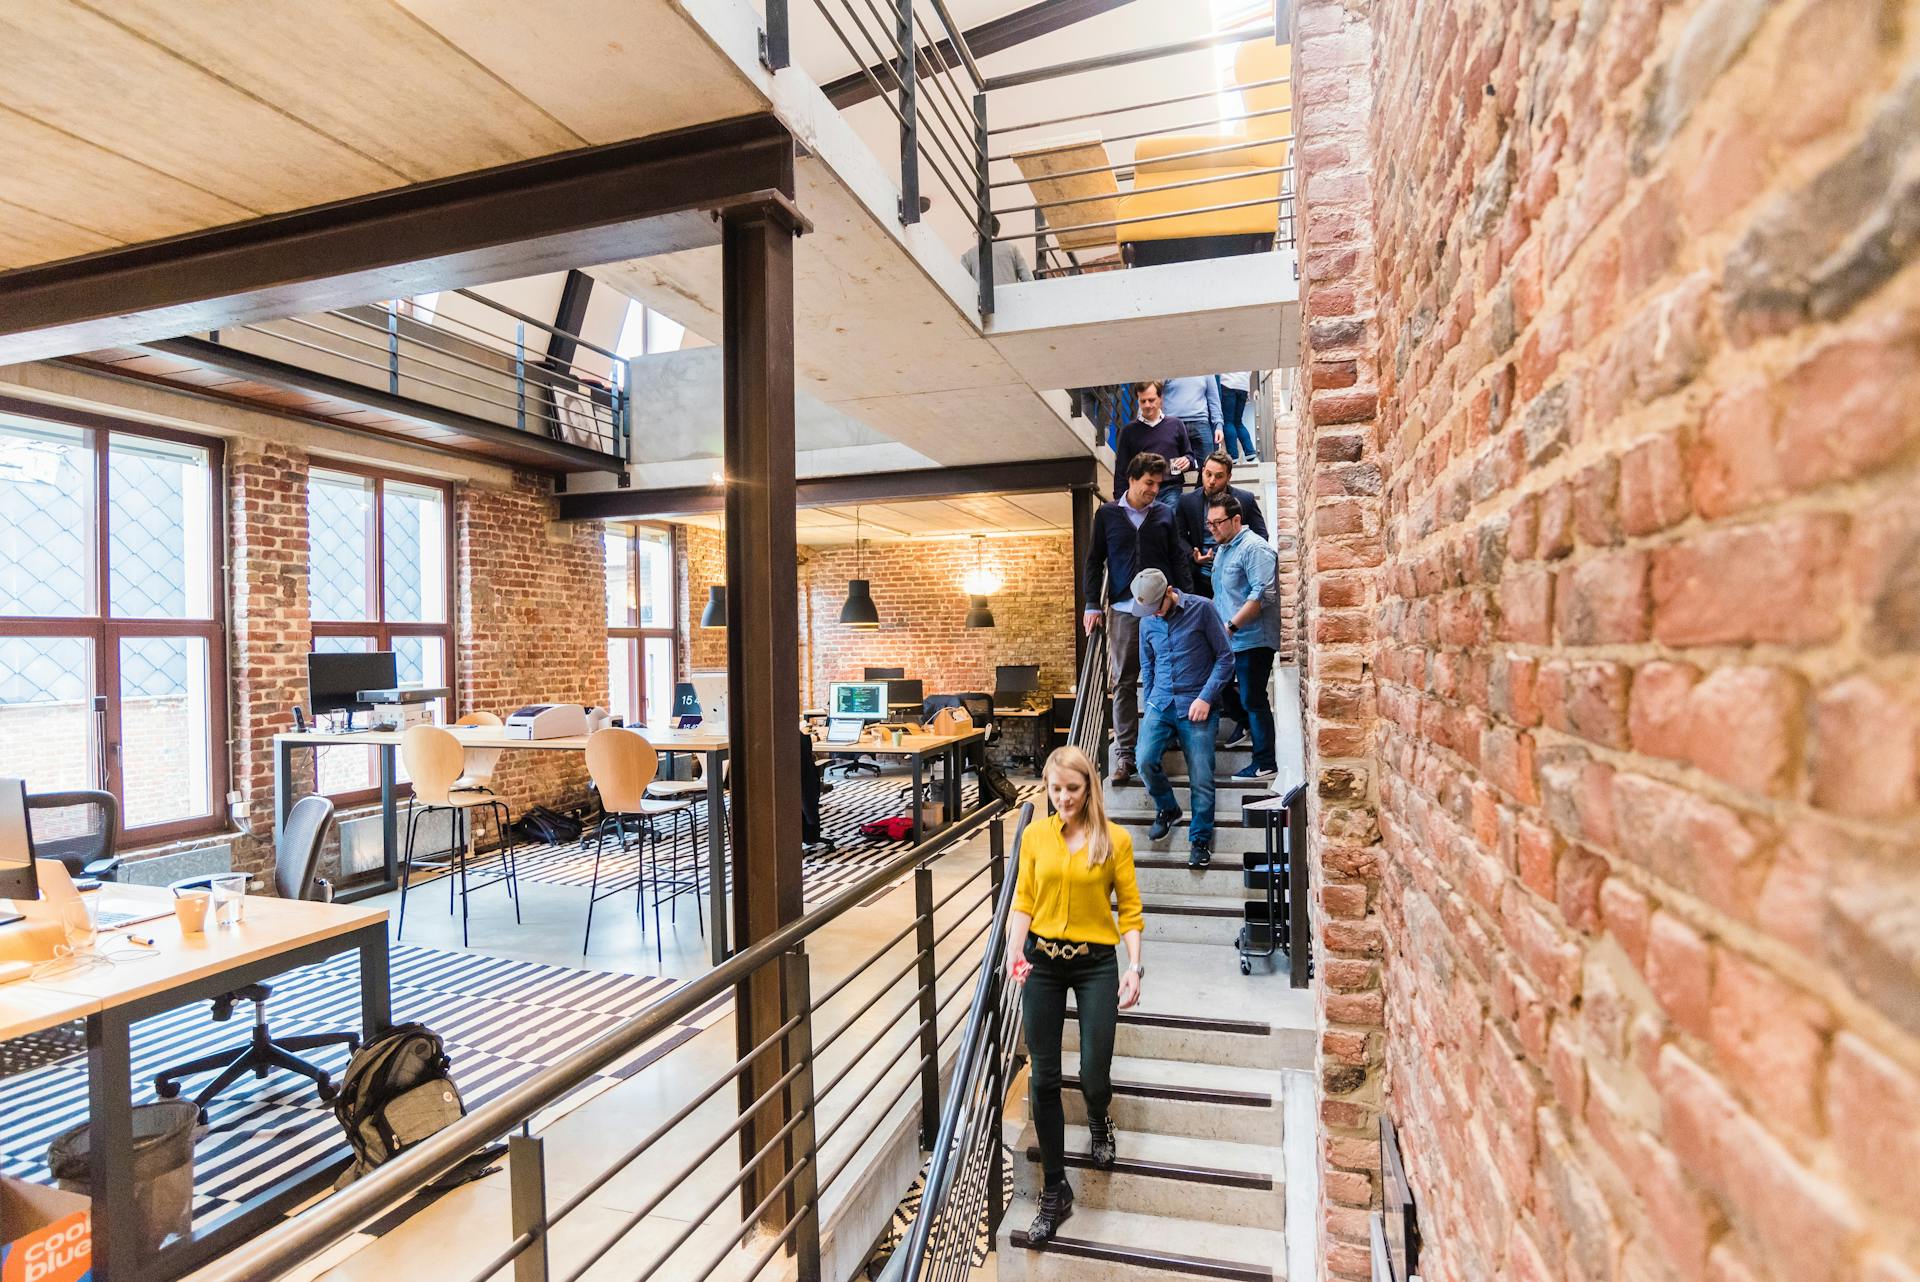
(402, 707)
(546, 721)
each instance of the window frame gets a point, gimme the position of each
(636, 671)
(104, 631)
(382, 630)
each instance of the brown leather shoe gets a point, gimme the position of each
(1123, 772)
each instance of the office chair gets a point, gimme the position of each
(622, 765)
(295, 864)
(83, 838)
(436, 760)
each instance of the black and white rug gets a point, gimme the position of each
(503, 1021)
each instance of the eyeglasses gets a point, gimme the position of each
(1214, 522)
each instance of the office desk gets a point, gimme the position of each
(275, 935)
(1032, 723)
(708, 744)
(918, 749)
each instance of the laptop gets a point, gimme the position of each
(56, 887)
(844, 729)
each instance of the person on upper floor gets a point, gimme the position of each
(1155, 431)
(1235, 437)
(1131, 533)
(1195, 402)
(1190, 516)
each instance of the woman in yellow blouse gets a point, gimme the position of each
(1062, 938)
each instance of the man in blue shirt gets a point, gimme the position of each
(1244, 569)
(1185, 660)
(1195, 402)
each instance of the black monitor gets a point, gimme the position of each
(17, 880)
(1023, 678)
(899, 692)
(334, 681)
(883, 674)
(862, 700)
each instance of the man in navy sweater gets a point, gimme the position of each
(1155, 432)
(1130, 534)
(1190, 515)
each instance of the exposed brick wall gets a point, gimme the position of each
(1285, 528)
(531, 623)
(923, 608)
(702, 562)
(1341, 546)
(1646, 644)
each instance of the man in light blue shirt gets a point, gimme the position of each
(1185, 660)
(1245, 568)
(1195, 402)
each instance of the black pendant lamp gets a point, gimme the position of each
(715, 615)
(859, 612)
(980, 585)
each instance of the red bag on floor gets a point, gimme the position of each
(896, 828)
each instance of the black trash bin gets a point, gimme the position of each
(161, 1169)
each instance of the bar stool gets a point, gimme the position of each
(478, 771)
(435, 760)
(622, 764)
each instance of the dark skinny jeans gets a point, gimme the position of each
(1094, 981)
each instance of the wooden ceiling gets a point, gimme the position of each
(133, 120)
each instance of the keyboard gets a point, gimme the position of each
(111, 918)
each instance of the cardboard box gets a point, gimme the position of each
(46, 1234)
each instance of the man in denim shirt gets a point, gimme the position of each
(1244, 568)
(1185, 659)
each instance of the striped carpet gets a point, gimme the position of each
(260, 1128)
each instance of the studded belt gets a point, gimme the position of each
(1060, 951)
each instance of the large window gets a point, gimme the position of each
(640, 614)
(380, 580)
(111, 650)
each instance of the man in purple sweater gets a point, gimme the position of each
(1155, 432)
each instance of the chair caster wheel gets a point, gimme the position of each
(327, 1090)
(166, 1089)
(1246, 967)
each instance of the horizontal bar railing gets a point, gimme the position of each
(1126, 58)
(1213, 123)
(1137, 106)
(389, 1185)
(1191, 182)
(1282, 199)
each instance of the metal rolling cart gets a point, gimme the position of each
(1279, 916)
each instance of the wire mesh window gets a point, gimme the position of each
(111, 640)
(380, 579)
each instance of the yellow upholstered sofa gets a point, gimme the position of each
(1165, 176)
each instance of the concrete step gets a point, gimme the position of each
(1225, 760)
(1103, 1245)
(1214, 1180)
(1192, 919)
(1167, 874)
(1227, 841)
(1182, 1097)
(1196, 1005)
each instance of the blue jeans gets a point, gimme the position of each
(1252, 669)
(1169, 495)
(1158, 726)
(1238, 438)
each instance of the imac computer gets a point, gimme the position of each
(710, 689)
(17, 880)
(851, 705)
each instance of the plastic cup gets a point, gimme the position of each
(229, 898)
(190, 906)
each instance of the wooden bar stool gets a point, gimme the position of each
(436, 760)
(622, 765)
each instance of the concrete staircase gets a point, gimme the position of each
(1198, 1191)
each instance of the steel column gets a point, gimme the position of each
(929, 1007)
(762, 642)
(527, 1191)
(983, 197)
(803, 1196)
(909, 81)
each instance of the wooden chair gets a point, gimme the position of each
(622, 765)
(480, 761)
(435, 760)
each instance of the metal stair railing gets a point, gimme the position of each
(963, 1188)
(1092, 702)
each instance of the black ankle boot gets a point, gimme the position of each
(1104, 1149)
(1056, 1204)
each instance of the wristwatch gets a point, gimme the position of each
(1232, 628)
(1138, 969)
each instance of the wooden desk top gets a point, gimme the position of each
(270, 926)
(912, 745)
(699, 739)
(27, 1007)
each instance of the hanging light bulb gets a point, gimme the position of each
(859, 611)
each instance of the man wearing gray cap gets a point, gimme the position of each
(1185, 660)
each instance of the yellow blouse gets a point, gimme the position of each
(1067, 899)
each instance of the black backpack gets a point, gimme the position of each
(541, 826)
(397, 1091)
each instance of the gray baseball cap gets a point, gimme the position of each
(1149, 588)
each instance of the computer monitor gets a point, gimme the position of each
(711, 689)
(1023, 678)
(883, 674)
(16, 843)
(900, 692)
(866, 700)
(334, 681)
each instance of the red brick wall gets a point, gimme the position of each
(1645, 641)
(531, 625)
(702, 557)
(1341, 546)
(917, 589)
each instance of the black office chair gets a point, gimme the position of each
(295, 865)
(78, 828)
